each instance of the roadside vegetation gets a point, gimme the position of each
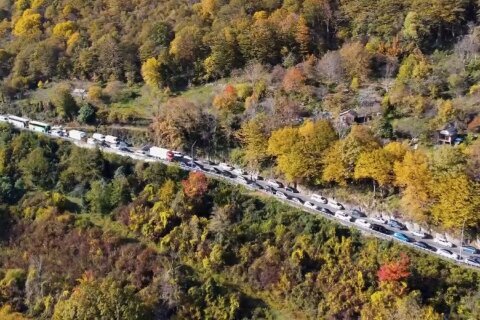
(87, 235)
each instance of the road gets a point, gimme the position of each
(235, 176)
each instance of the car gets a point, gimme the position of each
(239, 172)
(444, 242)
(223, 166)
(424, 245)
(310, 205)
(379, 228)
(183, 165)
(357, 214)
(274, 183)
(325, 210)
(363, 223)
(297, 200)
(228, 174)
(449, 254)
(125, 149)
(57, 133)
(419, 233)
(242, 179)
(281, 195)
(140, 152)
(291, 190)
(473, 261)
(342, 215)
(337, 205)
(216, 170)
(318, 198)
(91, 141)
(257, 186)
(402, 237)
(380, 219)
(270, 189)
(396, 224)
(469, 249)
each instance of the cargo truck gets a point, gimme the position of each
(162, 153)
(111, 139)
(77, 135)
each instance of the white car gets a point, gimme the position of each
(281, 195)
(473, 261)
(274, 183)
(342, 215)
(297, 200)
(310, 205)
(318, 198)
(448, 254)
(242, 179)
(444, 242)
(239, 172)
(91, 141)
(380, 219)
(337, 205)
(363, 223)
(222, 165)
(419, 233)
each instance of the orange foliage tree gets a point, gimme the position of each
(196, 185)
(395, 270)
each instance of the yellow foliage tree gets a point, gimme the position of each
(413, 174)
(150, 72)
(375, 165)
(64, 29)
(28, 25)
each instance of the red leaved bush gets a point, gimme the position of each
(196, 185)
(395, 270)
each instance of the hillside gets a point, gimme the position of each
(372, 102)
(86, 234)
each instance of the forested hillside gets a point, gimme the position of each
(86, 235)
(375, 102)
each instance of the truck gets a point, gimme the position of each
(161, 153)
(111, 139)
(76, 135)
(98, 136)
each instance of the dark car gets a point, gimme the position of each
(325, 210)
(379, 228)
(425, 246)
(357, 214)
(228, 174)
(269, 189)
(291, 190)
(257, 186)
(395, 224)
(402, 237)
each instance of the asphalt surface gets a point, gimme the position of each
(297, 199)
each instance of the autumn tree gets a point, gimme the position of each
(227, 101)
(294, 80)
(375, 165)
(196, 185)
(28, 25)
(187, 43)
(356, 60)
(254, 136)
(413, 174)
(299, 150)
(150, 72)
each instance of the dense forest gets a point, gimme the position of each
(86, 235)
(345, 97)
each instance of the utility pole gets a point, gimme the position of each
(461, 241)
(191, 152)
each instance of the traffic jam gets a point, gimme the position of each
(380, 226)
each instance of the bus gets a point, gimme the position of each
(39, 126)
(18, 122)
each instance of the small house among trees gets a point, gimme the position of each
(447, 135)
(360, 116)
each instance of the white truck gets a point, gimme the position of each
(161, 153)
(77, 135)
(111, 139)
(98, 136)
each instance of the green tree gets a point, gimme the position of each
(64, 103)
(36, 169)
(86, 114)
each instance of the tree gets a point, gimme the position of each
(151, 74)
(36, 169)
(254, 136)
(413, 174)
(356, 60)
(341, 158)
(299, 151)
(227, 100)
(28, 25)
(195, 186)
(64, 103)
(100, 299)
(375, 165)
(99, 197)
(187, 44)
(456, 199)
(395, 270)
(303, 37)
(86, 114)
(294, 80)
